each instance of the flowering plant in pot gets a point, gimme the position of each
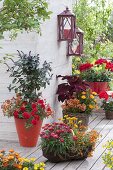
(27, 107)
(81, 106)
(62, 142)
(99, 71)
(107, 103)
(12, 160)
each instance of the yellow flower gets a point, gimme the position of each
(66, 116)
(80, 121)
(42, 164)
(32, 159)
(77, 72)
(112, 158)
(83, 97)
(94, 93)
(91, 106)
(36, 166)
(91, 96)
(25, 168)
(75, 126)
(41, 168)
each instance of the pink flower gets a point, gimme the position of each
(62, 140)
(26, 115)
(75, 138)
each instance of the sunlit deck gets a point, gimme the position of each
(97, 121)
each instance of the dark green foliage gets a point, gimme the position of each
(28, 76)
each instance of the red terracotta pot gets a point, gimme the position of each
(98, 86)
(28, 137)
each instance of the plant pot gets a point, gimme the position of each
(70, 155)
(81, 117)
(109, 114)
(98, 86)
(28, 137)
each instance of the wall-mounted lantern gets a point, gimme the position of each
(66, 25)
(75, 46)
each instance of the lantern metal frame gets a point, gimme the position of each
(78, 51)
(66, 17)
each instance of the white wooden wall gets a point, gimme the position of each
(48, 48)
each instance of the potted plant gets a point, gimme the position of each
(107, 104)
(80, 106)
(12, 160)
(27, 107)
(97, 74)
(73, 85)
(108, 155)
(64, 142)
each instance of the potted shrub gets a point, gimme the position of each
(80, 106)
(64, 142)
(97, 74)
(27, 107)
(108, 155)
(12, 160)
(107, 104)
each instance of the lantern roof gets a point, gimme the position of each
(78, 30)
(66, 12)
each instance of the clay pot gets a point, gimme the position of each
(28, 137)
(98, 86)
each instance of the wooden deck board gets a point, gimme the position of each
(97, 121)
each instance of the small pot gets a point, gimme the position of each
(109, 114)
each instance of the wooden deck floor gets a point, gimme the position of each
(97, 122)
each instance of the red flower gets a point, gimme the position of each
(40, 102)
(24, 103)
(26, 115)
(35, 110)
(101, 61)
(109, 66)
(103, 95)
(34, 121)
(37, 117)
(22, 109)
(75, 138)
(34, 105)
(16, 113)
(86, 66)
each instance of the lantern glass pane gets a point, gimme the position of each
(75, 44)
